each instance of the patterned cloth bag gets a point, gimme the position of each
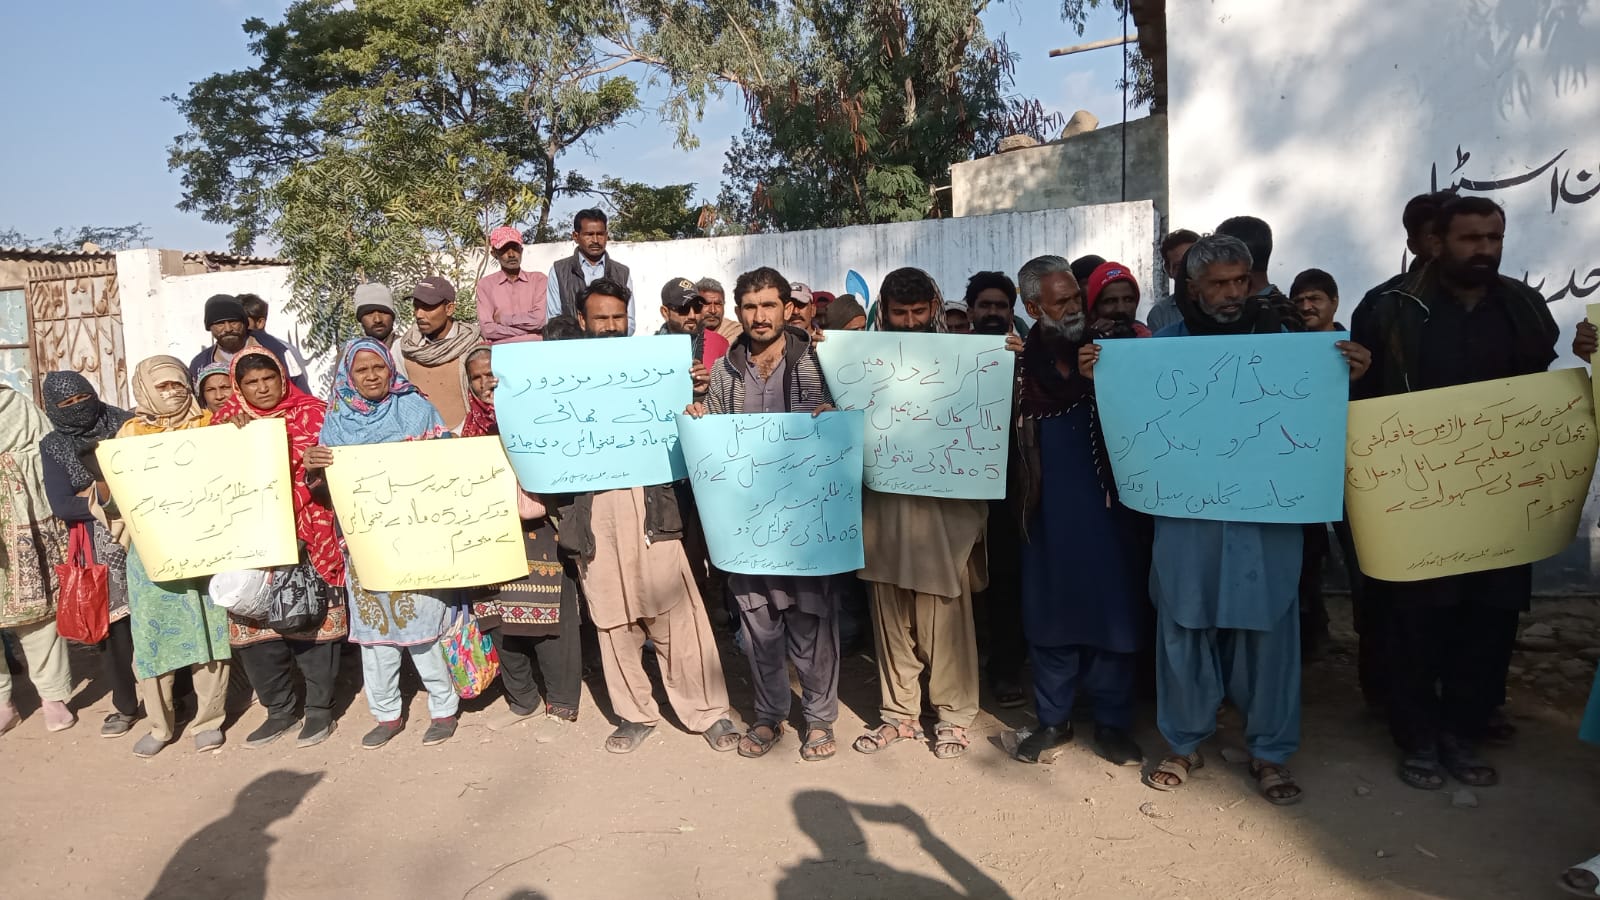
(469, 653)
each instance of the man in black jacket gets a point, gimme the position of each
(1454, 320)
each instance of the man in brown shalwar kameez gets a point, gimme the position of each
(924, 559)
(639, 586)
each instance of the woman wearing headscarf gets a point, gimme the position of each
(534, 616)
(78, 496)
(32, 542)
(373, 404)
(264, 391)
(213, 385)
(174, 624)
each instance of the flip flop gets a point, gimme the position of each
(629, 735)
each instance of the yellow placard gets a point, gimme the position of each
(428, 514)
(1593, 315)
(205, 500)
(1462, 479)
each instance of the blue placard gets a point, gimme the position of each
(938, 408)
(593, 414)
(1236, 428)
(778, 493)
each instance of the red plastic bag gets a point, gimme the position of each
(83, 609)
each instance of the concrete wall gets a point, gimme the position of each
(1081, 170)
(1326, 128)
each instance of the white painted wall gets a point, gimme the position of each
(164, 314)
(1324, 118)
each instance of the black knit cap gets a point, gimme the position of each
(224, 308)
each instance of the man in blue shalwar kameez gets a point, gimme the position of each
(1083, 563)
(1227, 593)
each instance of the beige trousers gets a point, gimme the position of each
(46, 653)
(691, 669)
(211, 696)
(914, 632)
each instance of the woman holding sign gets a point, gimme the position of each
(374, 405)
(174, 624)
(264, 391)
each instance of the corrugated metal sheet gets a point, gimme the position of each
(50, 253)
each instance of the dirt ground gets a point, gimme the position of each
(541, 811)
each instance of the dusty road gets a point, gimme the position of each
(541, 811)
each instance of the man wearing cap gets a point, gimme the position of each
(684, 311)
(716, 318)
(843, 314)
(589, 262)
(956, 319)
(802, 312)
(230, 331)
(436, 347)
(1113, 300)
(513, 304)
(375, 314)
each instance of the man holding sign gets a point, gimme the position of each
(1453, 321)
(1226, 592)
(772, 369)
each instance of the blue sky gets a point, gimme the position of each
(90, 130)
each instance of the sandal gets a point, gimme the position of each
(1583, 879)
(886, 734)
(950, 741)
(564, 713)
(819, 735)
(628, 737)
(1276, 784)
(722, 736)
(753, 745)
(1422, 771)
(1178, 767)
(1464, 765)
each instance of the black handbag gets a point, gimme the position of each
(299, 599)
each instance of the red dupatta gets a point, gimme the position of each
(302, 415)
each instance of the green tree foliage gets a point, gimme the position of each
(376, 139)
(106, 237)
(1140, 81)
(645, 213)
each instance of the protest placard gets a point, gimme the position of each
(593, 415)
(205, 500)
(938, 408)
(1462, 479)
(428, 514)
(778, 493)
(1236, 428)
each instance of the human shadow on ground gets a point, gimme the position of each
(844, 867)
(228, 857)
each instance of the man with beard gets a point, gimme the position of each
(683, 310)
(375, 314)
(226, 319)
(1113, 302)
(639, 584)
(924, 559)
(773, 369)
(1225, 593)
(435, 349)
(1083, 589)
(513, 303)
(992, 298)
(802, 312)
(1455, 320)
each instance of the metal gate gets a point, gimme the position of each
(77, 323)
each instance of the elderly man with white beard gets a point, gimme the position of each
(1083, 577)
(1226, 594)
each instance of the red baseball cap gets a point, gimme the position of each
(1106, 273)
(504, 235)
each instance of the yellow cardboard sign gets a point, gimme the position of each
(1463, 479)
(205, 500)
(428, 514)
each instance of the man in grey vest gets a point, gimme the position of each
(570, 275)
